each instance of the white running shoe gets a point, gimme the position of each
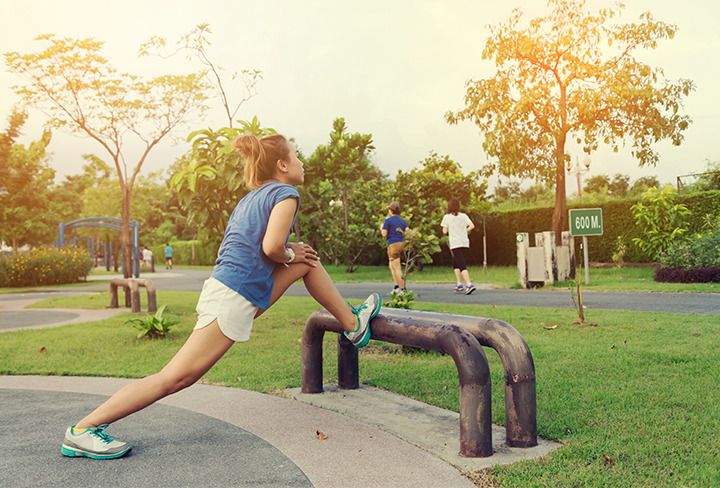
(364, 313)
(94, 443)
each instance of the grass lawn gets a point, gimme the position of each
(634, 399)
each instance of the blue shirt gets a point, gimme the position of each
(395, 226)
(168, 251)
(241, 264)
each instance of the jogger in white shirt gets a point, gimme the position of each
(457, 226)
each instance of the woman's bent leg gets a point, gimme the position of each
(200, 352)
(319, 285)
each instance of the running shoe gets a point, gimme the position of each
(459, 289)
(471, 288)
(94, 443)
(364, 312)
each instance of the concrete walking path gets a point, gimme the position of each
(205, 436)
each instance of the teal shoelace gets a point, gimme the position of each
(356, 311)
(100, 433)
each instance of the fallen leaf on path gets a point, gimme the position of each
(321, 436)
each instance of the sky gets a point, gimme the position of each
(391, 68)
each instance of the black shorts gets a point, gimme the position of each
(458, 258)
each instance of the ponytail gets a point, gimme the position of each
(260, 156)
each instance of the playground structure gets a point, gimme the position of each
(108, 255)
(462, 337)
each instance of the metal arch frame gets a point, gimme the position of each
(113, 223)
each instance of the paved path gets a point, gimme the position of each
(205, 436)
(14, 315)
(702, 303)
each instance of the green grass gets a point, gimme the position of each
(640, 388)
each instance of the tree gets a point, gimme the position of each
(619, 186)
(66, 199)
(343, 197)
(572, 74)
(597, 184)
(26, 179)
(196, 43)
(425, 191)
(208, 179)
(642, 184)
(78, 88)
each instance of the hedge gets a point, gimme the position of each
(617, 221)
(205, 253)
(44, 266)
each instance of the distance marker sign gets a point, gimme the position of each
(586, 222)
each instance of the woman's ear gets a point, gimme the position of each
(282, 166)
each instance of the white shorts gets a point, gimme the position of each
(233, 312)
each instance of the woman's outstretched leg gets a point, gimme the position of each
(200, 352)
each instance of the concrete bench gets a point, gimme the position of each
(131, 287)
(459, 336)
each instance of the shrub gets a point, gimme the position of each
(702, 251)
(660, 221)
(404, 300)
(696, 275)
(44, 266)
(153, 326)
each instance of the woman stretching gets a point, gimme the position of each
(255, 266)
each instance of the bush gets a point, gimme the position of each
(44, 266)
(703, 251)
(697, 275)
(153, 326)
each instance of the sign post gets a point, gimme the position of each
(586, 222)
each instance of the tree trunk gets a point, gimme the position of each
(125, 231)
(559, 217)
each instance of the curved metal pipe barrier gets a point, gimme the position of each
(469, 358)
(520, 393)
(517, 360)
(131, 286)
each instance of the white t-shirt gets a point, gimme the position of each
(147, 255)
(457, 229)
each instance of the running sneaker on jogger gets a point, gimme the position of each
(460, 288)
(470, 288)
(94, 443)
(364, 313)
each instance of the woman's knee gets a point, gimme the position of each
(172, 382)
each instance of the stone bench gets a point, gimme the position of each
(459, 336)
(131, 287)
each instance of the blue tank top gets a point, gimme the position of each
(241, 264)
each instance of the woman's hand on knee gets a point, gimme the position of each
(304, 254)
